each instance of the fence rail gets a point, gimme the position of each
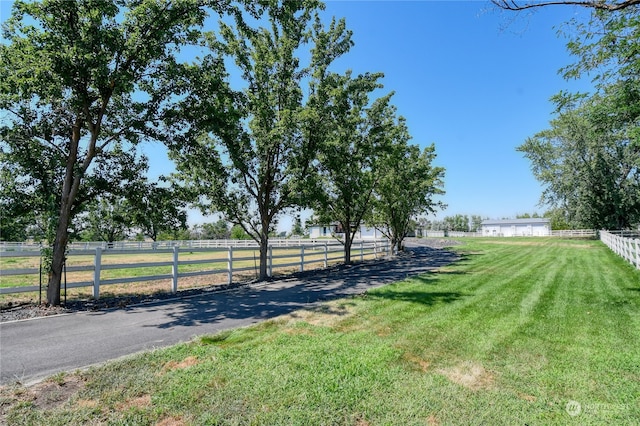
(228, 261)
(157, 245)
(574, 233)
(627, 248)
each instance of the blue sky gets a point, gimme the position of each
(471, 79)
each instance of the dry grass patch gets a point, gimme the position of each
(326, 315)
(185, 363)
(45, 396)
(417, 362)
(171, 421)
(143, 401)
(469, 374)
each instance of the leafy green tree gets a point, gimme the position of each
(238, 233)
(158, 209)
(108, 219)
(218, 230)
(77, 77)
(588, 168)
(476, 223)
(349, 163)
(253, 175)
(297, 228)
(588, 160)
(560, 219)
(458, 223)
(406, 186)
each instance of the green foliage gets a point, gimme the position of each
(589, 160)
(297, 228)
(253, 172)
(406, 187)
(351, 149)
(238, 233)
(157, 210)
(108, 219)
(459, 223)
(81, 83)
(214, 231)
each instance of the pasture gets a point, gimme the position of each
(532, 331)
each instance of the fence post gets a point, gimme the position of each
(270, 261)
(361, 250)
(301, 258)
(97, 261)
(230, 265)
(326, 253)
(637, 254)
(174, 270)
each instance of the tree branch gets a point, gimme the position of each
(611, 6)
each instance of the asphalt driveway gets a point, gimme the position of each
(33, 349)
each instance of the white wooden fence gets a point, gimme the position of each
(580, 233)
(155, 245)
(627, 248)
(324, 252)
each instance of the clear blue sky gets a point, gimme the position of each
(471, 79)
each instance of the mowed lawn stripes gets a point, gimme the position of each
(534, 331)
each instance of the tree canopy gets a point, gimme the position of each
(254, 175)
(78, 78)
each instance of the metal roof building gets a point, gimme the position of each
(532, 227)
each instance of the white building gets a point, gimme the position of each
(328, 231)
(533, 227)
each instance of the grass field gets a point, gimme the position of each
(520, 331)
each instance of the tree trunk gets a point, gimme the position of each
(347, 246)
(264, 253)
(58, 257)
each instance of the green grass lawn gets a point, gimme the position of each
(520, 331)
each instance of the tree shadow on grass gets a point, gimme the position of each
(428, 298)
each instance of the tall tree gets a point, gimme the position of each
(108, 219)
(254, 175)
(158, 209)
(77, 77)
(349, 160)
(406, 187)
(589, 169)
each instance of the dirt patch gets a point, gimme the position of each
(471, 375)
(171, 421)
(185, 363)
(44, 396)
(432, 420)
(526, 397)
(417, 362)
(143, 401)
(326, 315)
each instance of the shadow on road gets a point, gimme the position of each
(282, 296)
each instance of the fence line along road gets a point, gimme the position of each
(627, 248)
(155, 245)
(227, 261)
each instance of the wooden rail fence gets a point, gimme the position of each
(627, 248)
(228, 261)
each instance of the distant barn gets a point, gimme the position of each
(533, 227)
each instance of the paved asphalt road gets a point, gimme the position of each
(33, 349)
